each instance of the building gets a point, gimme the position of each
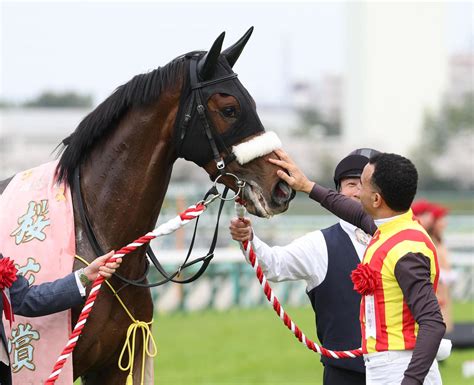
(28, 137)
(461, 77)
(396, 70)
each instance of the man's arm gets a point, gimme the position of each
(46, 298)
(305, 258)
(59, 295)
(338, 204)
(344, 208)
(412, 272)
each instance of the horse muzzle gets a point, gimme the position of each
(266, 205)
(282, 194)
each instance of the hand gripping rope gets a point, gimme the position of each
(252, 257)
(192, 212)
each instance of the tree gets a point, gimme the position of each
(452, 120)
(313, 122)
(5, 103)
(58, 99)
(445, 152)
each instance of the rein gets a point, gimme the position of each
(209, 197)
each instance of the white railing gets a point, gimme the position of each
(230, 281)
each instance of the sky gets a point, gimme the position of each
(93, 47)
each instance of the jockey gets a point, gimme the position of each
(401, 322)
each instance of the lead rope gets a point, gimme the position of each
(146, 334)
(252, 257)
(172, 225)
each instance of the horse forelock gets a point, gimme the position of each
(141, 90)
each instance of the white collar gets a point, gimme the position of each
(380, 221)
(358, 236)
(347, 227)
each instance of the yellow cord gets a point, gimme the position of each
(131, 333)
(130, 348)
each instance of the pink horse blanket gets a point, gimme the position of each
(37, 232)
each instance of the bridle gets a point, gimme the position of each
(193, 123)
(201, 108)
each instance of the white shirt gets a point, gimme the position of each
(380, 221)
(81, 288)
(306, 258)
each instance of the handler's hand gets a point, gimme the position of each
(241, 229)
(296, 179)
(98, 266)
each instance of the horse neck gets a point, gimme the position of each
(126, 177)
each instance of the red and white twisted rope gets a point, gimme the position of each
(252, 257)
(172, 225)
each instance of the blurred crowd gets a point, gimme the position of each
(432, 217)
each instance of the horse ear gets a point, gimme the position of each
(233, 52)
(207, 64)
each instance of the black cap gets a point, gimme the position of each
(353, 164)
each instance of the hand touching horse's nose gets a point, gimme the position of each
(241, 229)
(295, 178)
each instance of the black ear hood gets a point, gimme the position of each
(233, 52)
(207, 64)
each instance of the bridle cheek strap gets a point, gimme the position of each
(196, 91)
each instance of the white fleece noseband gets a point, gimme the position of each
(254, 148)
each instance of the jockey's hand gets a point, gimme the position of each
(241, 229)
(98, 266)
(295, 177)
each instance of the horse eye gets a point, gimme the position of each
(229, 112)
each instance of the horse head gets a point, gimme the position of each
(219, 129)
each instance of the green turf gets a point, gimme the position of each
(251, 347)
(463, 312)
(234, 347)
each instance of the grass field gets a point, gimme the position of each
(252, 347)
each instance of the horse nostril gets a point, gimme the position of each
(282, 193)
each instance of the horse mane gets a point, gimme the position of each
(141, 90)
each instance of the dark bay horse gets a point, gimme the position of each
(195, 108)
